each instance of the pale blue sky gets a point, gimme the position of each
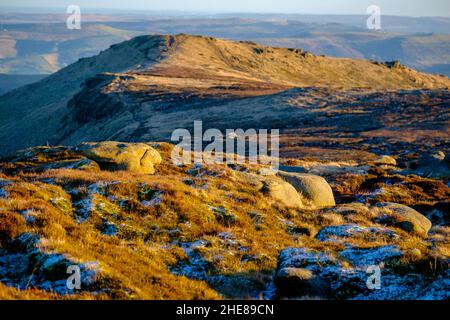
(388, 7)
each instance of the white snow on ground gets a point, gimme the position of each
(302, 257)
(369, 257)
(3, 183)
(334, 233)
(30, 215)
(83, 209)
(196, 267)
(409, 287)
(108, 228)
(153, 202)
(351, 282)
(23, 265)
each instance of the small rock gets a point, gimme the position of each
(416, 253)
(84, 164)
(224, 216)
(300, 282)
(386, 161)
(3, 183)
(108, 228)
(351, 208)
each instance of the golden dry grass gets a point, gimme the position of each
(209, 205)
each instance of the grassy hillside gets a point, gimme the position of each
(10, 82)
(93, 97)
(205, 232)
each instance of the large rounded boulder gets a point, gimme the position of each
(282, 192)
(406, 218)
(115, 156)
(315, 190)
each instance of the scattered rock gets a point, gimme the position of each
(315, 190)
(24, 242)
(30, 215)
(283, 192)
(386, 161)
(267, 172)
(224, 216)
(45, 154)
(351, 208)
(304, 258)
(405, 218)
(345, 275)
(416, 253)
(151, 203)
(195, 266)
(134, 157)
(108, 228)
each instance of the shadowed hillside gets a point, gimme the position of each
(140, 88)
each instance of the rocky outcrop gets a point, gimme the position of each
(135, 157)
(314, 190)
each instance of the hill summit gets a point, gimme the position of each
(140, 89)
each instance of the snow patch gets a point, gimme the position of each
(151, 203)
(108, 228)
(30, 215)
(196, 267)
(83, 209)
(4, 183)
(369, 257)
(23, 265)
(334, 233)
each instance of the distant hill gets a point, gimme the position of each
(31, 45)
(10, 82)
(144, 88)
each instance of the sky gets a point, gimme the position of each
(388, 7)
